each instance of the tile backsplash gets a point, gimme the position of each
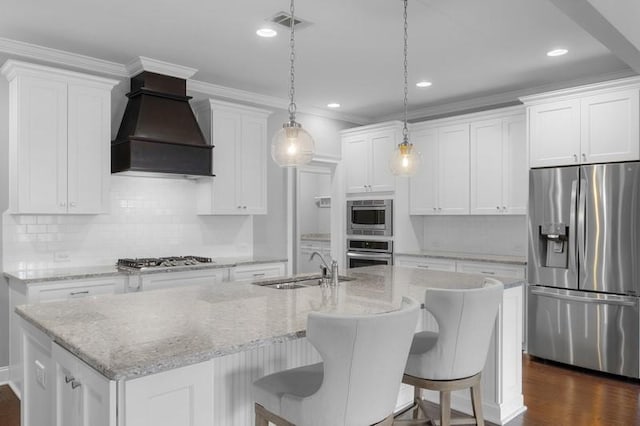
(148, 217)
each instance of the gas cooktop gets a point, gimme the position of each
(161, 262)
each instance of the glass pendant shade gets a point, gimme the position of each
(406, 160)
(292, 146)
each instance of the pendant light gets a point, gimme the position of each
(292, 146)
(406, 159)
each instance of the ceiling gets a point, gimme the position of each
(489, 51)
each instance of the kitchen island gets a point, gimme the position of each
(189, 355)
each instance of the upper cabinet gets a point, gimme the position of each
(441, 184)
(499, 166)
(366, 152)
(239, 136)
(59, 140)
(589, 124)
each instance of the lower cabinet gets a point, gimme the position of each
(432, 263)
(161, 280)
(61, 390)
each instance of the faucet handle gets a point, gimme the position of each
(324, 270)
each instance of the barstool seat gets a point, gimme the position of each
(358, 381)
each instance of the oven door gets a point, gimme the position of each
(357, 259)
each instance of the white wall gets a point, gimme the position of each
(4, 202)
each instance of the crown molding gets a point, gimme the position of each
(13, 68)
(385, 125)
(574, 92)
(504, 98)
(229, 93)
(60, 57)
(489, 114)
(142, 63)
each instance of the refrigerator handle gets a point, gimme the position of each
(573, 262)
(628, 301)
(582, 204)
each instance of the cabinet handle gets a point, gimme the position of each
(75, 293)
(259, 275)
(72, 204)
(75, 384)
(435, 209)
(487, 272)
(498, 207)
(575, 158)
(423, 266)
(584, 157)
(239, 207)
(68, 379)
(244, 207)
(63, 204)
(439, 209)
(504, 208)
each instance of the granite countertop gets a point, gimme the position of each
(32, 276)
(499, 258)
(135, 334)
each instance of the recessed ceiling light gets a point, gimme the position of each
(557, 52)
(267, 32)
(333, 105)
(424, 84)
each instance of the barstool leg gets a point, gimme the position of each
(417, 395)
(476, 403)
(445, 408)
(260, 420)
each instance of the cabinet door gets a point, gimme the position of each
(515, 184)
(610, 127)
(491, 269)
(453, 173)
(226, 135)
(486, 167)
(423, 186)
(253, 170)
(89, 131)
(42, 146)
(554, 134)
(380, 177)
(356, 159)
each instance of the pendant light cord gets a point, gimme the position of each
(292, 57)
(405, 131)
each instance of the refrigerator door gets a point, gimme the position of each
(609, 243)
(585, 329)
(552, 256)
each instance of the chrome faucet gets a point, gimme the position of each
(333, 268)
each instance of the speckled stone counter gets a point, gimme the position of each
(498, 258)
(43, 275)
(136, 334)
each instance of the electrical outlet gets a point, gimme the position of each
(41, 375)
(61, 256)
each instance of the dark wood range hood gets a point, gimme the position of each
(159, 132)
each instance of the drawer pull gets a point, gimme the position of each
(487, 272)
(75, 293)
(68, 379)
(261, 274)
(423, 266)
(75, 384)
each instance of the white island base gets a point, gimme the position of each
(218, 391)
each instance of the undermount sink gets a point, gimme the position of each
(293, 283)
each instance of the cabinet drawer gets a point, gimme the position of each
(255, 272)
(498, 269)
(73, 290)
(431, 263)
(179, 279)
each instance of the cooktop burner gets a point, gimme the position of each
(162, 262)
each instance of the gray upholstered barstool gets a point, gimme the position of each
(358, 381)
(453, 358)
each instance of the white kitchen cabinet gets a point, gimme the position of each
(49, 291)
(366, 154)
(83, 397)
(59, 140)
(423, 262)
(257, 271)
(441, 185)
(498, 166)
(239, 136)
(172, 279)
(591, 124)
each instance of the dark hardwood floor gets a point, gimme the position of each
(555, 395)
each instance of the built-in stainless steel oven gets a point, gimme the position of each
(368, 253)
(370, 217)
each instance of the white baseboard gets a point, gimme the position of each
(4, 375)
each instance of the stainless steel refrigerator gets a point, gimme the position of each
(584, 266)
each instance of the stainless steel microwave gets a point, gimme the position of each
(370, 217)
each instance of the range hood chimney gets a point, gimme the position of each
(159, 132)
